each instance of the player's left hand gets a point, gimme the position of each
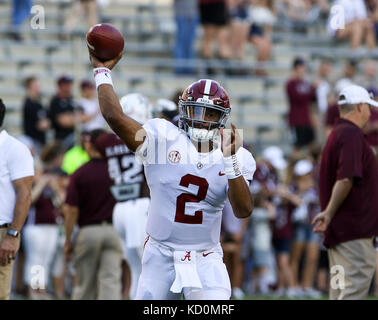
(231, 141)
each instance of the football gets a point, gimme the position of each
(104, 41)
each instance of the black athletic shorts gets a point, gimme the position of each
(214, 14)
(303, 136)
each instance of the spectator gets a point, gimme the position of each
(214, 19)
(79, 9)
(238, 29)
(61, 111)
(372, 7)
(331, 118)
(348, 77)
(35, 121)
(16, 176)
(261, 239)
(301, 13)
(232, 235)
(91, 117)
(369, 79)
(167, 110)
(323, 88)
(76, 156)
(348, 188)
(305, 241)
(97, 251)
(301, 94)
(41, 233)
(284, 201)
(186, 16)
(358, 29)
(262, 16)
(371, 128)
(21, 10)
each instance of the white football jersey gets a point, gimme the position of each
(188, 189)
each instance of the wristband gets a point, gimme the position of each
(232, 167)
(102, 76)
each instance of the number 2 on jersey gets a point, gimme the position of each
(183, 198)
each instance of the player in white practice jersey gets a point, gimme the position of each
(190, 170)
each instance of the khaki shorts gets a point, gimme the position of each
(5, 272)
(352, 267)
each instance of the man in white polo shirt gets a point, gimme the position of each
(16, 177)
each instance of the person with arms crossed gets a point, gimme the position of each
(16, 177)
(348, 189)
(190, 170)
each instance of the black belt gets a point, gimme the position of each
(5, 225)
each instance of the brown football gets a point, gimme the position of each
(104, 41)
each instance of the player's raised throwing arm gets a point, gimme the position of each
(238, 192)
(129, 130)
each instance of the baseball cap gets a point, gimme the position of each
(303, 167)
(354, 94)
(275, 156)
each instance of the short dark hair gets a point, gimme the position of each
(94, 134)
(298, 61)
(51, 151)
(2, 112)
(28, 81)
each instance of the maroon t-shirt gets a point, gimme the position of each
(89, 190)
(45, 212)
(124, 170)
(347, 154)
(282, 224)
(332, 115)
(300, 94)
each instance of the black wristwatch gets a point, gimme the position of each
(13, 233)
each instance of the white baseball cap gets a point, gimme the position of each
(275, 156)
(355, 94)
(303, 167)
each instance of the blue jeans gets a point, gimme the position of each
(21, 11)
(184, 42)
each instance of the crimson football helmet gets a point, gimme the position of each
(204, 108)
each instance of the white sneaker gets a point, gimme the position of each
(311, 293)
(280, 292)
(293, 293)
(238, 293)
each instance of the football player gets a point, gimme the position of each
(190, 171)
(129, 186)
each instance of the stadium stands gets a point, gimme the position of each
(259, 102)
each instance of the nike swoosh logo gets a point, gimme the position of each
(206, 254)
(221, 174)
